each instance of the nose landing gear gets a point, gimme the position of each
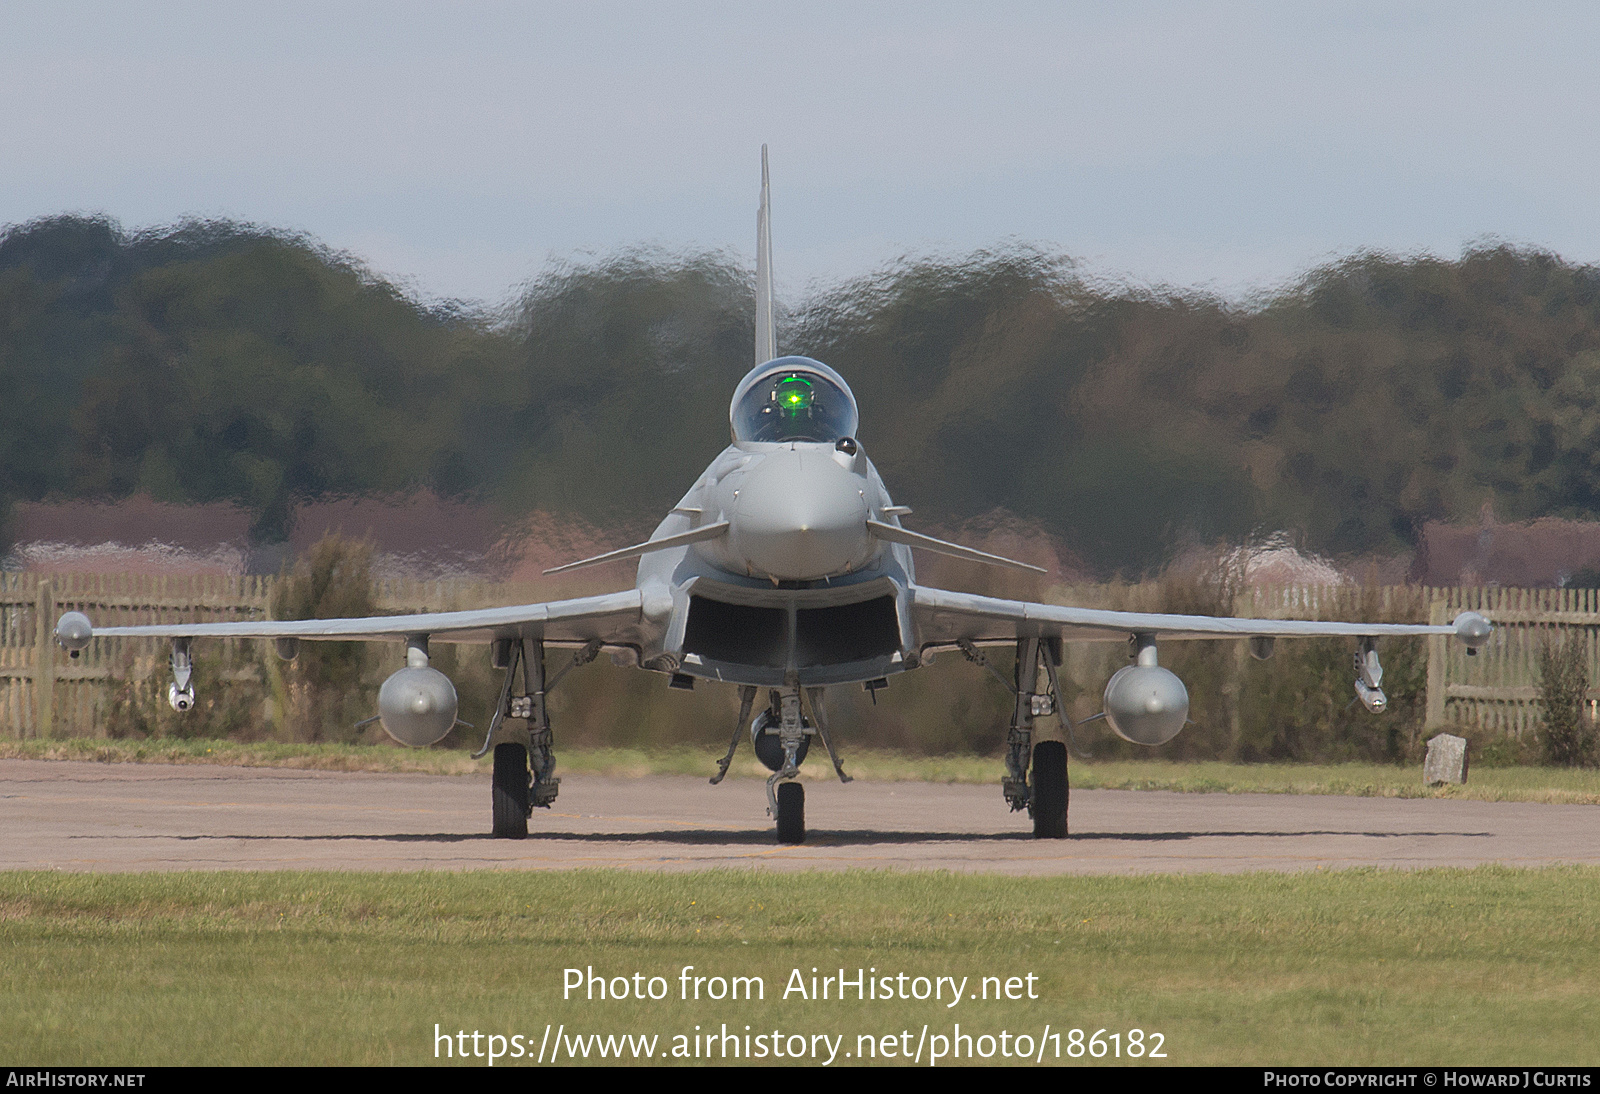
(781, 736)
(783, 720)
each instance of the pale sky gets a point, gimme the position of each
(461, 148)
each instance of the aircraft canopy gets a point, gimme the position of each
(793, 399)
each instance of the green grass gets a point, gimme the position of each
(1528, 784)
(1487, 966)
(208, 750)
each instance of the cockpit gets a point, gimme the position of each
(793, 399)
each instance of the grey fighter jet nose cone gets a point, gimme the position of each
(417, 706)
(801, 516)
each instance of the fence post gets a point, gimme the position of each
(44, 661)
(1438, 650)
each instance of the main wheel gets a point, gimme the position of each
(791, 813)
(510, 792)
(1050, 790)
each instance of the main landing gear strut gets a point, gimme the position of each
(524, 759)
(1030, 738)
(781, 736)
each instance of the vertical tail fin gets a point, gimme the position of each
(766, 332)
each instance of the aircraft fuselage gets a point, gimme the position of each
(797, 591)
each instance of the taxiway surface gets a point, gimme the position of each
(113, 817)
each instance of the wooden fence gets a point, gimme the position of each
(45, 693)
(1495, 689)
(1498, 689)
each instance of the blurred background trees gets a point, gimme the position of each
(1001, 391)
(218, 361)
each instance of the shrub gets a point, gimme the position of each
(1568, 735)
(333, 580)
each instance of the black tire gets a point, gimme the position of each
(510, 792)
(791, 813)
(1050, 790)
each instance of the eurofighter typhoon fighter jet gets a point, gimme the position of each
(784, 571)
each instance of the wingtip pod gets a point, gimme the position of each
(1473, 629)
(74, 631)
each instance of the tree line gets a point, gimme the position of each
(216, 361)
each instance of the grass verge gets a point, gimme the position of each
(1487, 966)
(1526, 784)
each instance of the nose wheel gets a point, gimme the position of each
(791, 813)
(780, 736)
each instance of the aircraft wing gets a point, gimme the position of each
(945, 618)
(614, 618)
